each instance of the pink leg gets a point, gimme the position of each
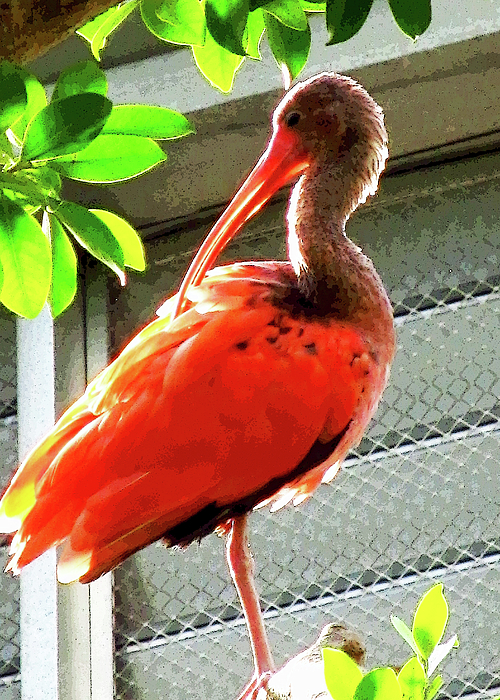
(241, 567)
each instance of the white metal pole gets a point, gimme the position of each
(36, 412)
(101, 591)
(67, 647)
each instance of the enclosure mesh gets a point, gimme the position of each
(417, 502)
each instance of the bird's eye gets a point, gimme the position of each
(292, 119)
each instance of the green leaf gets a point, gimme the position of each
(149, 121)
(405, 632)
(185, 14)
(311, 6)
(412, 16)
(379, 684)
(24, 200)
(288, 45)
(85, 76)
(64, 265)
(217, 64)
(176, 21)
(127, 237)
(111, 158)
(289, 13)
(430, 620)
(434, 687)
(66, 126)
(35, 185)
(25, 258)
(344, 18)
(440, 652)
(36, 100)
(342, 675)
(97, 31)
(19, 186)
(93, 235)
(13, 96)
(46, 178)
(255, 29)
(226, 22)
(412, 680)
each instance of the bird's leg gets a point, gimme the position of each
(241, 567)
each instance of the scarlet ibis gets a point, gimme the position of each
(250, 387)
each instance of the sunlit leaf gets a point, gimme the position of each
(36, 100)
(255, 29)
(412, 16)
(64, 265)
(13, 96)
(412, 680)
(379, 684)
(430, 620)
(187, 14)
(217, 64)
(405, 632)
(25, 258)
(226, 22)
(90, 29)
(345, 18)
(342, 675)
(111, 158)
(289, 13)
(149, 121)
(97, 31)
(85, 76)
(66, 126)
(127, 237)
(93, 235)
(289, 46)
(176, 21)
(311, 6)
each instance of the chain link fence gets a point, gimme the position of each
(418, 501)
(9, 587)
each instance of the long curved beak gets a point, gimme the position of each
(281, 162)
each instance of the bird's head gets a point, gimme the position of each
(336, 122)
(324, 120)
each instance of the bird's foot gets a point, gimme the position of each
(254, 688)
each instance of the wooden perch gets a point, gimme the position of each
(302, 677)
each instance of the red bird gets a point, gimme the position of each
(250, 388)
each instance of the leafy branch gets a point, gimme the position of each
(80, 135)
(414, 681)
(223, 33)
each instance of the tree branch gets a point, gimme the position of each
(30, 27)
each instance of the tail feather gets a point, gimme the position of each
(21, 495)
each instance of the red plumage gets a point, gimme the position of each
(251, 386)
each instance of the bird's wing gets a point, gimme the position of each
(196, 421)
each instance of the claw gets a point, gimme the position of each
(257, 688)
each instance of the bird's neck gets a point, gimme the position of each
(333, 274)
